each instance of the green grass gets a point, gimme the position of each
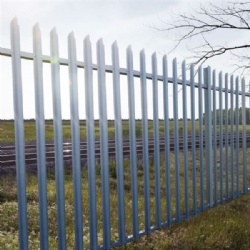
(225, 226)
(7, 134)
(7, 130)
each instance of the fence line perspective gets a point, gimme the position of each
(194, 179)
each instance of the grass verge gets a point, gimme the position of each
(226, 226)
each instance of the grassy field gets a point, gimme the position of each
(226, 226)
(7, 134)
(7, 130)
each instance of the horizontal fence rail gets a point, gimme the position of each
(108, 69)
(202, 160)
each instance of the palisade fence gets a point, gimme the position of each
(213, 179)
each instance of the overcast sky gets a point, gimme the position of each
(129, 22)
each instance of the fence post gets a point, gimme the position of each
(208, 140)
(214, 136)
(201, 141)
(58, 139)
(118, 143)
(156, 142)
(40, 138)
(244, 146)
(144, 108)
(185, 137)
(103, 124)
(19, 135)
(176, 141)
(90, 125)
(132, 139)
(75, 140)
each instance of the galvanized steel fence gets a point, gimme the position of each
(202, 93)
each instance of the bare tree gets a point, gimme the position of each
(208, 20)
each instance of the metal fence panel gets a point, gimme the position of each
(231, 178)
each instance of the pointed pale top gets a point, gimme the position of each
(14, 21)
(36, 28)
(71, 35)
(100, 41)
(114, 44)
(14, 25)
(184, 63)
(142, 52)
(87, 39)
(53, 32)
(72, 41)
(154, 55)
(129, 48)
(165, 62)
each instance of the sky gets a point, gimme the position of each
(129, 22)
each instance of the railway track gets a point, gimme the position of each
(7, 153)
